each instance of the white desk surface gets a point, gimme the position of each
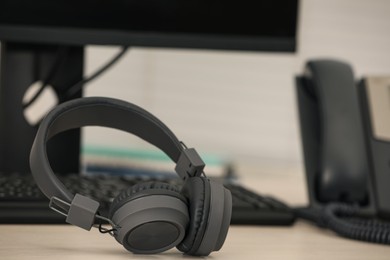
(300, 241)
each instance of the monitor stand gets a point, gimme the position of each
(21, 65)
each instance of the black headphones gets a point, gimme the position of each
(148, 217)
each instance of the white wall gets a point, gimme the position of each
(242, 104)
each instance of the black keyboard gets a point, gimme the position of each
(22, 202)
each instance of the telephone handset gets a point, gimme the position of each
(332, 134)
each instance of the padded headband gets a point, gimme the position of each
(98, 111)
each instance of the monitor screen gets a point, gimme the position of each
(268, 25)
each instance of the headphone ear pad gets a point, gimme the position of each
(144, 189)
(152, 217)
(210, 207)
(197, 191)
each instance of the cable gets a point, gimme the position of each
(367, 230)
(60, 58)
(347, 221)
(78, 86)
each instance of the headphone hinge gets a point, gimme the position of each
(189, 164)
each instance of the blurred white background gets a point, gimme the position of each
(241, 105)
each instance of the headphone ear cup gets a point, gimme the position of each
(210, 206)
(152, 217)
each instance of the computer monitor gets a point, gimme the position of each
(263, 25)
(32, 31)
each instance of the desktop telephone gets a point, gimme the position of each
(342, 183)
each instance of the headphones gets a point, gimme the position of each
(149, 217)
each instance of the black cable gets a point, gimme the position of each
(100, 223)
(310, 214)
(347, 221)
(60, 57)
(334, 215)
(78, 86)
(104, 230)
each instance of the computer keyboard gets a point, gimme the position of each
(22, 202)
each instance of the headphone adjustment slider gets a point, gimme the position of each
(189, 164)
(80, 212)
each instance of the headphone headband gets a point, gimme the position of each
(106, 112)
